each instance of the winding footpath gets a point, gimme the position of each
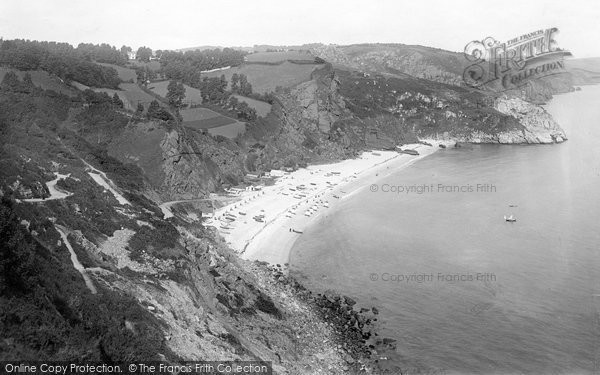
(78, 266)
(54, 192)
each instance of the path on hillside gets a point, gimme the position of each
(54, 192)
(102, 179)
(78, 266)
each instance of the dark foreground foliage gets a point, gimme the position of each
(46, 311)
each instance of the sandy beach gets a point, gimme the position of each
(264, 224)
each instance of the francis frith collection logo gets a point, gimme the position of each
(514, 63)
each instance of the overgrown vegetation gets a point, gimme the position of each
(61, 59)
(46, 311)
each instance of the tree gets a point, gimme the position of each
(175, 94)
(125, 51)
(144, 54)
(11, 82)
(117, 101)
(153, 109)
(27, 80)
(235, 81)
(245, 112)
(233, 103)
(156, 112)
(245, 86)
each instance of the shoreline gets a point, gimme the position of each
(298, 199)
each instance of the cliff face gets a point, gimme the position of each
(357, 111)
(538, 125)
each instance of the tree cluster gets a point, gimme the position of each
(187, 66)
(242, 109)
(214, 90)
(143, 54)
(175, 94)
(103, 53)
(60, 59)
(156, 112)
(240, 85)
(91, 97)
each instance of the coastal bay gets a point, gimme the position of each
(300, 198)
(536, 314)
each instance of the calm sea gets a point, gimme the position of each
(460, 289)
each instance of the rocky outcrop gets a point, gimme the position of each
(533, 126)
(195, 164)
(538, 125)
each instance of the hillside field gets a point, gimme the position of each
(43, 80)
(131, 94)
(191, 94)
(265, 78)
(153, 65)
(204, 118)
(125, 74)
(262, 108)
(279, 56)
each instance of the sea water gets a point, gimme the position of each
(459, 288)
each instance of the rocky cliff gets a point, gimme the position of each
(538, 125)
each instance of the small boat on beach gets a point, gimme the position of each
(510, 219)
(409, 152)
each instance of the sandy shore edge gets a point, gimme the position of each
(264, 225)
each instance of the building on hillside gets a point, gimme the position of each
(131, 55)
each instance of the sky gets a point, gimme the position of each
(177, 24)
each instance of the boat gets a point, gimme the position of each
(510, 219)
(297, 231)
(409, 152)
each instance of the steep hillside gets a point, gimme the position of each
(90, 269)
(418, 61)
(448, 67)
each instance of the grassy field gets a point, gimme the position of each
(209, 123)
(131, 94)
(126, 74)
(191, 94)
(230, 131)
(261, 108)
(152, 65)
(43, 80)
(264, 78)
(204, 118)
(279, 56)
